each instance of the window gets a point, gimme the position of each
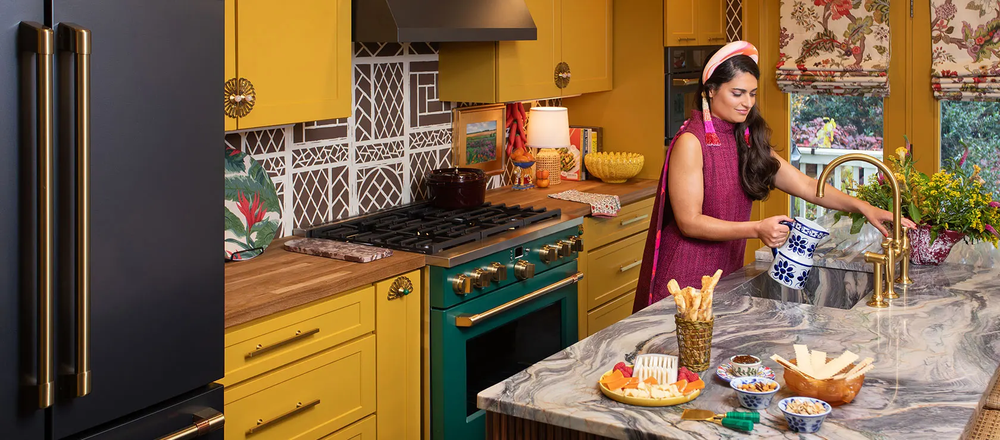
(977, 124)
(827, 127)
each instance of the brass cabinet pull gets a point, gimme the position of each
(76, 39)
(717, 39)
(400, 287)
(240, 97)
(466, 320)
(299, 407)
(205, 422)
(299, 335)
(626, 267)
(38, 40)
(686, 39)
(637, 219)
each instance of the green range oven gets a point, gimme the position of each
(496, 315)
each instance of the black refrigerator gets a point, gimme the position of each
(111, 289)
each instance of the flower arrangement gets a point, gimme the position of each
(952, 201)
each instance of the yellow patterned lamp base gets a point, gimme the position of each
(548, 159)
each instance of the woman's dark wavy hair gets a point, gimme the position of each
(757, 167)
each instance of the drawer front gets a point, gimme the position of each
(362, 430)
(633, 218)
(307, 400)
(613, 270)
(258, 347)
(610, 313)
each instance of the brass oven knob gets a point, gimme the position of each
(481, 278)
(548, 253)
(523, 270)
(577, 243)
(462, 285)
(565, 248)
(498, 271)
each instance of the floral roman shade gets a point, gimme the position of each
(834, 47)
(966, 49)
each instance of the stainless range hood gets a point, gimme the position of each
(441, 20)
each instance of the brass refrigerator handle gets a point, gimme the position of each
(299, 407)
(264, 349)
(466, 320)
(76, 39)
(37, 39)
(205, 422)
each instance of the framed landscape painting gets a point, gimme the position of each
(478, 140)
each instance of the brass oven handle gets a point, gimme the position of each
(299, 335)
(466, 320)
(299, 407)
(637, 219)
(76, 39)
(630, 266)
(37, 39)
(680, 82)
(205, 422)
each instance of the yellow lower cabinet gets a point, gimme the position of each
(610, 313)
(613, 269)
(306, 400)
(362, 430)
(632, 219)
(397, 338)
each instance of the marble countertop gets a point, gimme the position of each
(936, 350)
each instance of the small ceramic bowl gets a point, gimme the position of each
(746, 367)
(803, 422)
(752, 399)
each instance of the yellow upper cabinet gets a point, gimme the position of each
(230, 51)
(694, 22)
(575, 32)
(296, 55)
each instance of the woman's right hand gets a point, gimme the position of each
(772, 232)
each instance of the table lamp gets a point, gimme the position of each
(548, 129)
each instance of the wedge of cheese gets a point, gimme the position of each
(834, 367)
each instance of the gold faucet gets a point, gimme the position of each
(896, 249)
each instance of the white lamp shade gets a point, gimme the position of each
(548, 127)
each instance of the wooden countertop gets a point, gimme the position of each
(279, 280)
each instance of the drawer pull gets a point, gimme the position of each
(637, 219)
(626, 267)
(299, 407)
(299, 335)
(205, 421)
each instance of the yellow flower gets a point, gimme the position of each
(900, 178)
(901, 152)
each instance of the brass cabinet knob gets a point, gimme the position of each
(480, 278)
(462, 284)
(523, 270)
(239, 97)
(400, 287)
(548, 253)
(497, 271)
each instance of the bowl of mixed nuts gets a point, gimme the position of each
(754, 392)
(804, 414)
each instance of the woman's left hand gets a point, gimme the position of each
(880, 217)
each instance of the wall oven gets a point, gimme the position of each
(522, 313)
(682, 70)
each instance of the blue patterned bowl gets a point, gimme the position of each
(751, 399)
(803, 422)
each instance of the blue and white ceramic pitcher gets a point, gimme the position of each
(794, 260)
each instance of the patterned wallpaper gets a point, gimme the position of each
(734, 20)
(375, 159)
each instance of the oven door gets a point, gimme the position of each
(682, 96)
(477, 344)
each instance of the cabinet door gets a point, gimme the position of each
(586, 44)
(526, 68)
(711, 22)
(680, 27)
(397, 340)
(297, 56)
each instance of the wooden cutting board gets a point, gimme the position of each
(340, 250)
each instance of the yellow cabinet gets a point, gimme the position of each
(297, 56)
(363, 430)
(397, 339)
(694, 22)
(575, 32)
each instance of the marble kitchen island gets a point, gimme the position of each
(936, 351)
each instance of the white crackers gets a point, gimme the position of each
(813, 364)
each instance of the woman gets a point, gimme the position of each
(720, 161)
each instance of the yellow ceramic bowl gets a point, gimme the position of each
(614, 167)
(638, 401)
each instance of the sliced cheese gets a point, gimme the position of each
(836, 365)
(817, 362)
(802, 358)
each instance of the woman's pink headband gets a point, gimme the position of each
(728, 51)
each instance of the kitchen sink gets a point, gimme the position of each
(825, 287)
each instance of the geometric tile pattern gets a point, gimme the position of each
(378, 151)
(363, 102)
(312, 196)
(320, 155)
(274, 166)
(430, 138)
(425, 108)
(380, 187)
(340, 195)
(734, 20)
(422, 163)
(265, 141)
(387, 100)
(422, 49)
(363, 50)
(320, 130)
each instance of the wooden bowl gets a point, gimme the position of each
(835, 392)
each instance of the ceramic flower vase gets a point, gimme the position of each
(922, 251)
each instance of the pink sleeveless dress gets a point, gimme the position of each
(669, 254)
